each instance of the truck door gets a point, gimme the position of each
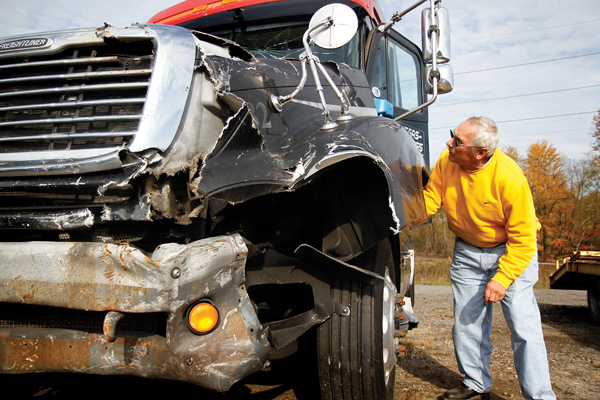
(395, 70)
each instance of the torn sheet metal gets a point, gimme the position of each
(73, 219)
(262, 151)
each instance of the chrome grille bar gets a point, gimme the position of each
(74, 76)
(73, 104)
(71, 120)
(77, 88)
(75, 61)
(63, 136)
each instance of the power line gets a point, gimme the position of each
(528, 119)
(504, 135)
(546, 117)
(511, 97)
(528, 31)
(525, 64)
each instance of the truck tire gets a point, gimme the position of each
(356, 358)
(593, 298)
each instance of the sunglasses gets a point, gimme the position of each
(458, 141)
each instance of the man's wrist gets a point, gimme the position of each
(502, 280)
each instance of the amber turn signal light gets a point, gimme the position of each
(203, 317)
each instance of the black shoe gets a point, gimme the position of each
(464, 392)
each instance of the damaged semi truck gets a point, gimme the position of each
(194, 197)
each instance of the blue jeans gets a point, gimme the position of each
(472, 268)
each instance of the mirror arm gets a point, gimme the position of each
(424, 105)
(278, 101)
(312, 61)
(345, 105)
(315, 65)
(398, 16)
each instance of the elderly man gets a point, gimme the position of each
(489, 207)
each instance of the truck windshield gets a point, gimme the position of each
(284, 40)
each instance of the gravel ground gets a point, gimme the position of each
(428, 369)
(572, 342)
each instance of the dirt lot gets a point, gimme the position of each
(572, 341)
(428, 369)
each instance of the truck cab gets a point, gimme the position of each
(197, 196)
(393, 66)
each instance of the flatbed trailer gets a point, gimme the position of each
(580, 270)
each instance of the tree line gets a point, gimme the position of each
(566, 194)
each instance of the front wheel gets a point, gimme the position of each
(356, 353)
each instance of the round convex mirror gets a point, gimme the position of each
(345, 24)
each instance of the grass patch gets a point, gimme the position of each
(437, 272)
(432, 272)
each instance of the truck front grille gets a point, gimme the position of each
(85, 97)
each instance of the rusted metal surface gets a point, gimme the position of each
(101, 277)
(110, 325)
(122, 279)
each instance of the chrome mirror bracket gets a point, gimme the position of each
(331, 27)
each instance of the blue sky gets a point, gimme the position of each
(531, 66)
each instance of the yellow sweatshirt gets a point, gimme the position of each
(486, 208)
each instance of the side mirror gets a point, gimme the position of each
(441, 24)
(338, 32)
(435, 34)
(445, 81)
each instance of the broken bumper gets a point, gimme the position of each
(120, 280)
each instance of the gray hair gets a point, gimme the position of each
(487, 134)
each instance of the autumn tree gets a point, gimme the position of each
(566, 195)
(581, 219)
(544, 169)
(513, 153)
(596, 134)
(595, 154)
(590, 194)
